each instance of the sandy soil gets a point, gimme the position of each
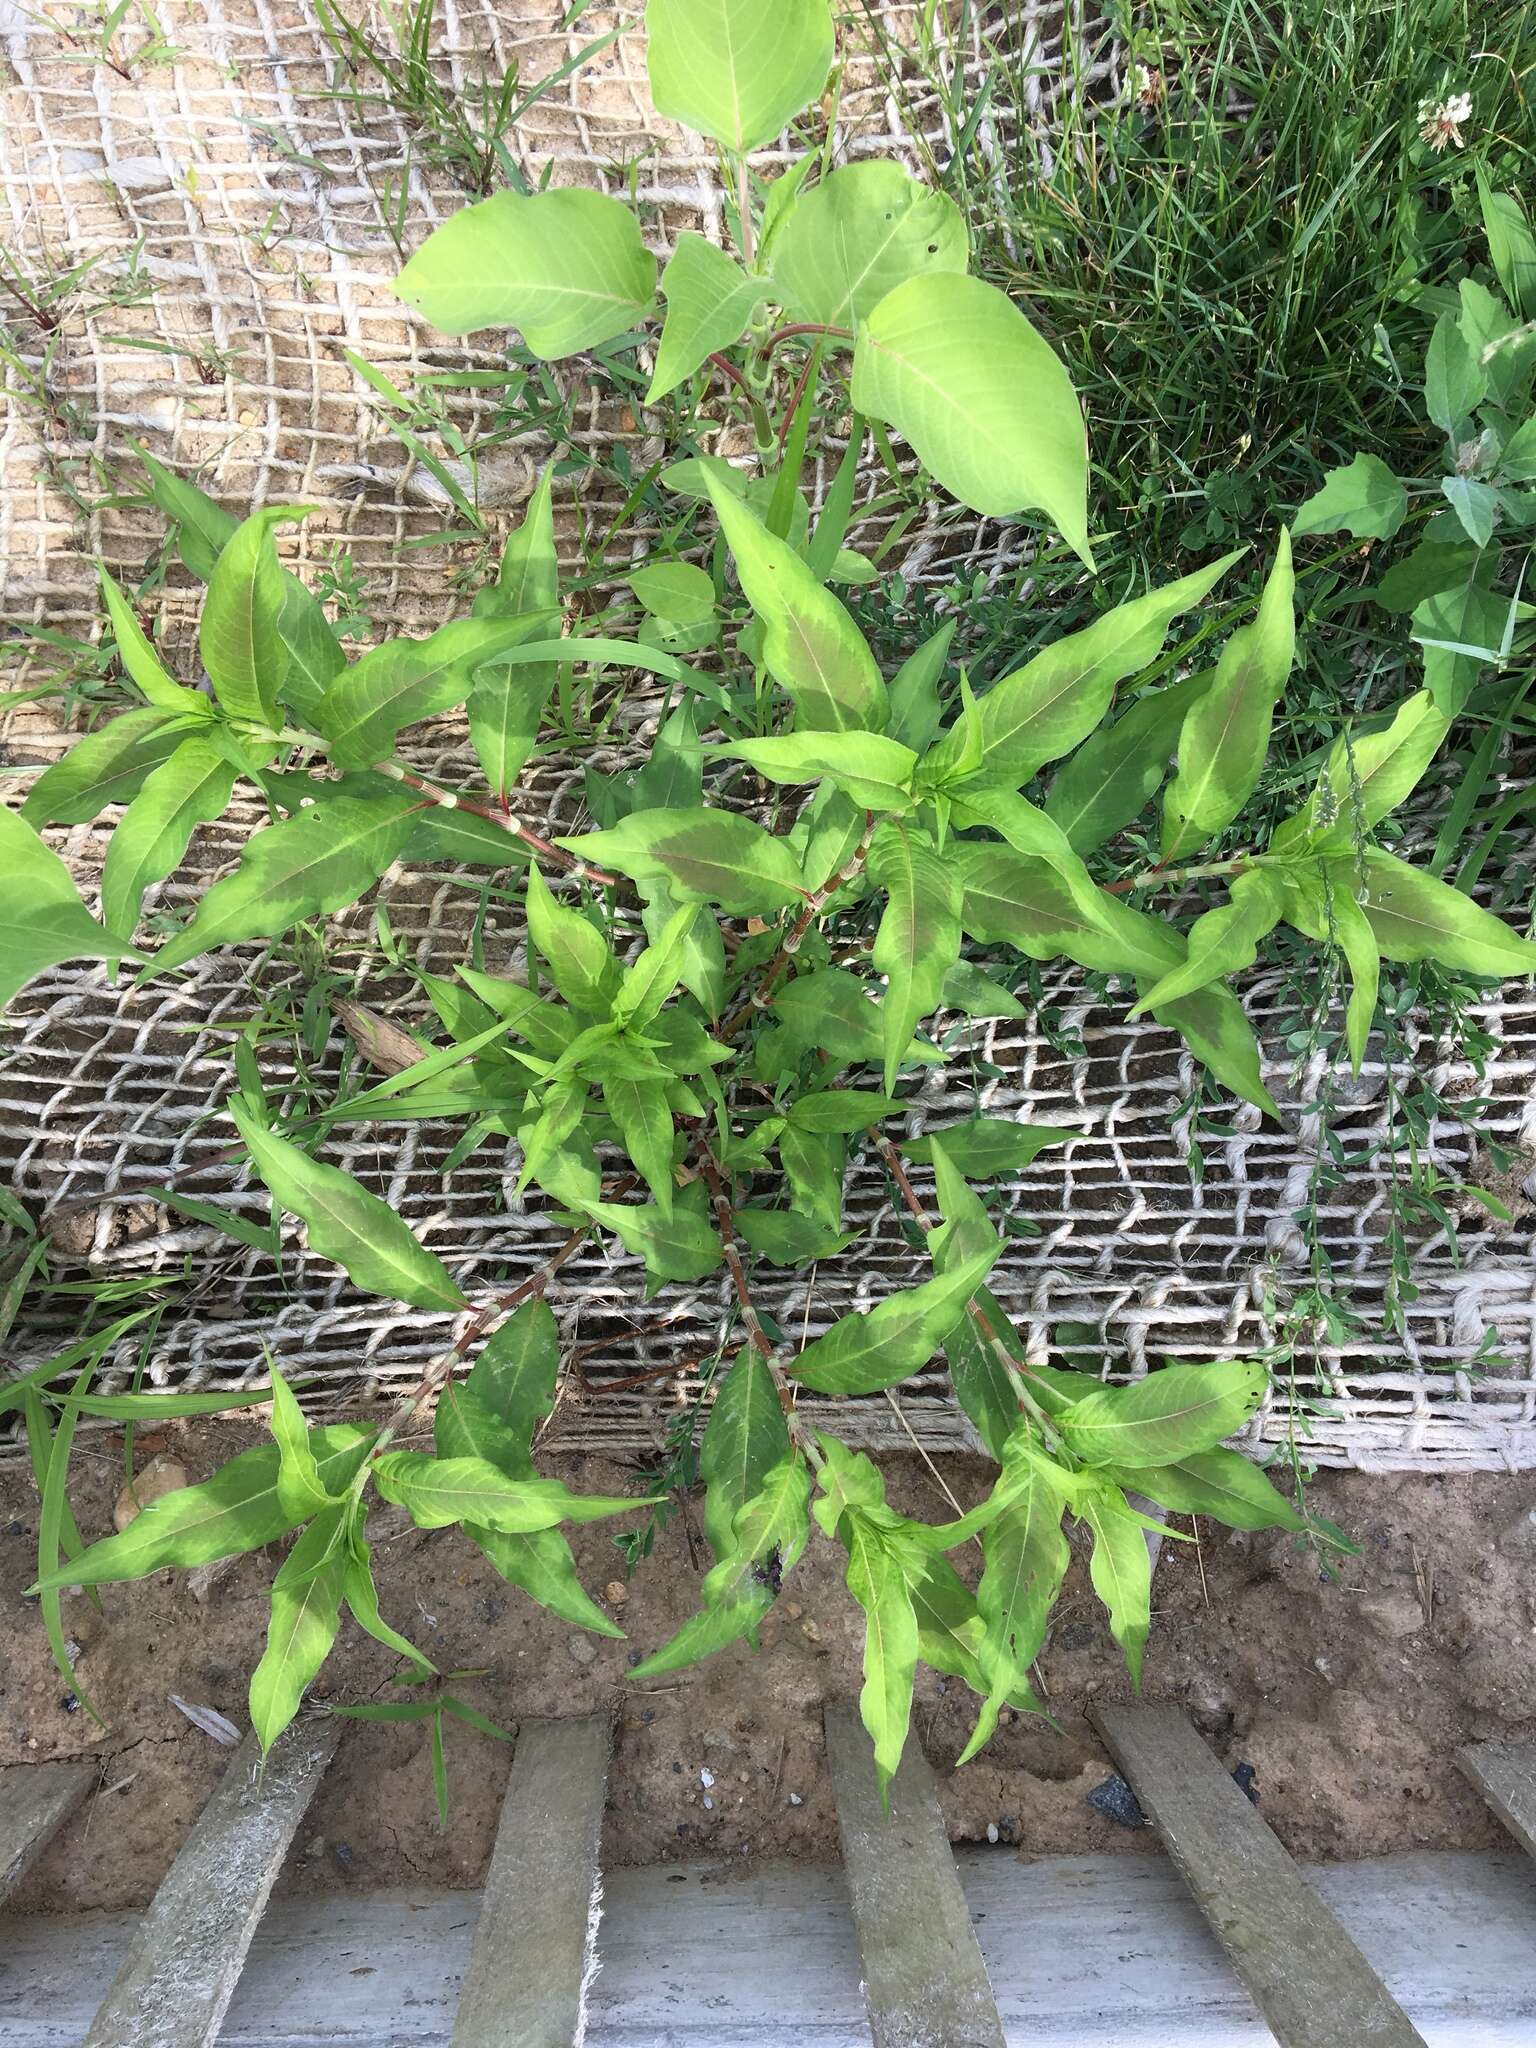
(1348, 1697)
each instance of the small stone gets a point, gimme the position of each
(793, 1609)
(1519, 1538)
(615, 1592)
(992, 1834)
(1117, 1802)
(810, 1631)
(709, 1802)
(794, 1799)
(706, 1779)
(316, 1847)
(160, 1476)
(582, 1648)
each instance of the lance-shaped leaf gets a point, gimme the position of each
(1357, 941)
(1222, 941)
(735, 70)
(437, 1492)
(238, 1509)
(108, 766)
(955, 368)
(638, 1105)
(877, 1581)
(1030, 831)
(811, 646)
(1220, 1483)
(841, 1109)
(866, 228)
(745, 1438)
(987, 1146)
(1118, 770)
(574, 950)
(1366, 777)
(916, 707)
(1362, 498)
(1169, 1415)
(243, 652)
(716, 855)
(1225, 735)
(315, 655)
(1026, 1557)
(141, 661)
(874, 1348)
(362, 1598)
(202, 526)
(682, 1246)
(186, 791)
(1120, 1572)
(320, 859)
(711, 302)
(377, 1247)
(507, 702)
(772, 1525)
(651, 977)
(710, 1630)
(567, 268)
(306, 1613)
(404, 681)
(1416, 917)
(919, 936)
(42, 920)
(830, 1011)
(1044, 709)
(873, 771)
(301, 1491)
(493, 1416)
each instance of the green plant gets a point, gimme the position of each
(716, 1014)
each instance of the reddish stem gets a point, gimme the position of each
(804, 327)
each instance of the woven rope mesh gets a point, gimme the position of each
(245, 214)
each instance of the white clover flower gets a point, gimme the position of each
(1441, 121)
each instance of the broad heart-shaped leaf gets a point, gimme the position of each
(574, 950)
(873, 771)
(566, 268)
(1225, 735)
(711, 302)
(1367, 776)
(1168, 1415)
(986, 1146)
(1219, 1483)
(1026, 1556)
(735, 70)
(320, 859)
(1362, 498)
(1120, 1572)
(811, 646)
(862, 231)
(919, 936)
(874, 1348)
(238, 1509)
(244, 655)
(877, 1581)
(1044, 709)
(1118, 770)
(403, 681)
(717, 856)
(377, 1247)
(193, 786)
(306, 1613)
(955, 368)
(1475, 504)
(682, 1246)
(440, 1491)
(108, 766)
(1222, 941)
(1416, 917)
(745, 1437)
(710, 1630)
(139, 658)
(42, 920)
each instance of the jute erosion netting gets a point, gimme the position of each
(253, 204)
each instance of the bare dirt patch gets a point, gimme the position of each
(1349, 1698)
